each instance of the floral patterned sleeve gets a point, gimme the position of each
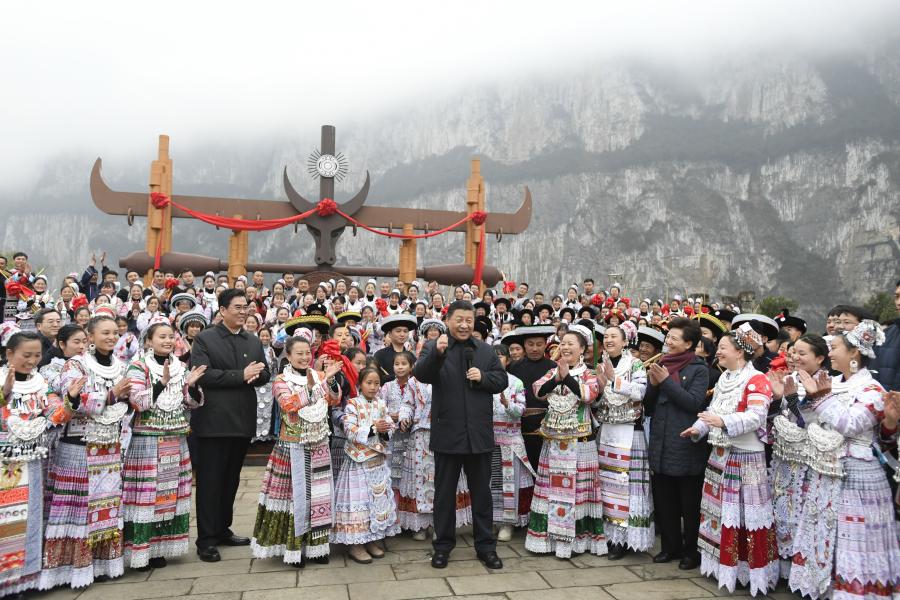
(635, 387)
(515, 397)
(141, 396)
(57, 409)
(353, 429)
(864, 414)
(540, 383)
(88, 403)
(289, 402)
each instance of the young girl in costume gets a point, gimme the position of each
(364, 508)
(156, 488)
(295, 503)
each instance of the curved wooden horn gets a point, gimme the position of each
(355, 203)
(297, 201)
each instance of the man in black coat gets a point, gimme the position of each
(227, 420)
(676, 393)
(465, 373)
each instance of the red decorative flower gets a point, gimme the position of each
(381, 305)
(479, 217)
(509, 287)
(171, 283)
(79, 301)
(326, 207)
(17, 290)
(159, 200)
(596, 300)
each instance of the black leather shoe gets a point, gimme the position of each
(321, 560)
(664, 557)
(616, 552)
(439, 559)
(235, 540)
(158, 563)
(490, 560)
(300, 564)
(210, 554)
(689, 562)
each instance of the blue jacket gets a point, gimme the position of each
(887, 359)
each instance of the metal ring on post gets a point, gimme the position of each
(390, 227)
(499, 235)
(130, 217)
(354, 229)
(217, 214)
(296, 225)
(426, 227)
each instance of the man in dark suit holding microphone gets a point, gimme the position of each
(465, 373)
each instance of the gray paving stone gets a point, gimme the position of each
(399, 590)
(137, 591)
(674, 589)
(188, 570)
(352, 573)
(243, 582)
(496, 582)
(325, 592)
(424, 570)
(591, 560)
(533, 563)
(57, 594)
(588, 577)
(711, 586)
(572, 593)
(668, 570)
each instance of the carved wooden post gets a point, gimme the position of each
(159, 220)
(474, 202)
(238, 253)
(408, 256)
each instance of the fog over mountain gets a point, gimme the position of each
(769, 171)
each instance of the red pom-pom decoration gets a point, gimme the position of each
(326, 207)
(159, 200)
(479, 217)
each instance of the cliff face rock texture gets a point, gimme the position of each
(773, 174)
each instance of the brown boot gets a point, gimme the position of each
(375, 550)
(358, 554)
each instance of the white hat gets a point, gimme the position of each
(372, 281)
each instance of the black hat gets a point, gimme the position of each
(785, 319)
(717, 327)
(651, 336)
(348, 315)
(483, 326)
(316, 308)
(484, 305)
(505, 301)
(724, 315)
(315, 322)
(544, 306)
(521, 312)
(192, 317)
(521, 334)
(399, 320)
(591, 310)
(761, 324)
(570, 310)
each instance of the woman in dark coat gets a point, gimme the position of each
(675, 394)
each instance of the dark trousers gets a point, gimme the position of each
(676, 501)
(217, 465)
(446, 478)
(533, 446)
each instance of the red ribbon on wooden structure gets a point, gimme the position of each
(325, 208)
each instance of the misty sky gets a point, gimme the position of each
(107, 77)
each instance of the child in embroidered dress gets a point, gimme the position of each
(156, 496)
(295, 503)
(364, 507)
(395, 394)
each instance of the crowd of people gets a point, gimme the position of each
(395, 410)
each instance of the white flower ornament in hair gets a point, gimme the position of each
(865, 337)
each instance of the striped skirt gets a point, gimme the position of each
(788, 479)
(156, 498)
(567, 508)
(415, 497)
(512, 487)
(21, 508)
(71, 556)
(737, 534)
(289, 516)
(627, 499)
(364, 506)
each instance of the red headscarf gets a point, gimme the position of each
(332, 350)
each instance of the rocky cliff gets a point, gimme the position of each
(774, 174)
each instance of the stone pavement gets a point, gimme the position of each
(404, 573)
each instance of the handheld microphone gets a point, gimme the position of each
(469, 353)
